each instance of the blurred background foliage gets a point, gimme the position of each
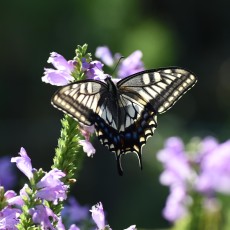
(190, 34)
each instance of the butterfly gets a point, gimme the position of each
(124, 113)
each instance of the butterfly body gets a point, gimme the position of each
(124, 114)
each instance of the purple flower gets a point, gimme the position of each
(87, 147)
(13, 199)
(23, 163)
(43, 216)
(176, 204)
(177, 168)
(9, 218)
(130, 65)
(215, 168)
(98, 215)
(51, 188)
(177, 174)
(93, 70)
(62, 74)
(7, 177)
(105, 55)
(74, 211)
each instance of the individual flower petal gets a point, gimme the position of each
(98, 215)
(7, 177)
(12, 198)
(56, 77)
(10, 194)
(43, 215)
(23, 163)
(74, 211)
(9, 218)
(130, 65)
(87, 147)
(105, 55)
(60, 63)
(51, 188)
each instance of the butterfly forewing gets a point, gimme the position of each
(161, 87)
(80, 100)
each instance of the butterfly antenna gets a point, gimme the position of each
(117, 64)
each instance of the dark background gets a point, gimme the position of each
(190, 34)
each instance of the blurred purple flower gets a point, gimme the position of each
(130, 65)
(51, 188)
(43, 216)
(9, 218)
(176, 204)
(7, 177)
(207, 145)
(98, 215)
(177, 174)
(74, 212)
(177, 170)
(103, 53)
(62, 74)
(215, 168)
(23, 163)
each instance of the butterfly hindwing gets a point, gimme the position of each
(132, 135)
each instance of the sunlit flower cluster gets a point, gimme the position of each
(64, 71)
(50, 188)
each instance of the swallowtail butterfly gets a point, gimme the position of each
(124, 114)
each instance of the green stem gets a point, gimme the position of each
(68, 157)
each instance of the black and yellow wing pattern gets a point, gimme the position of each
(124, 114)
